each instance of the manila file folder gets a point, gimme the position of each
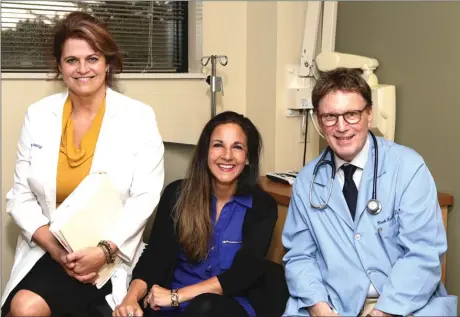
(87, 216)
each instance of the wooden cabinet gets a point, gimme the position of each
(282, 194)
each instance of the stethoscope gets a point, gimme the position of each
(374, 207)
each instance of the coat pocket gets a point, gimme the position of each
(388, 233)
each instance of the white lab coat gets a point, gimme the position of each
(129, 149)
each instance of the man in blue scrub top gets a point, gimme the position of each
(343, 260)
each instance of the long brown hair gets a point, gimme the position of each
(83, 26)
(192, 216)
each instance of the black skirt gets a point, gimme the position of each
(64, 295)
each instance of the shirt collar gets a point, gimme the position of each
(359, 160)
(245, 200)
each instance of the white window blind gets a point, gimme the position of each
(153, 35)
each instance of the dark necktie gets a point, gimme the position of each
(349, 188)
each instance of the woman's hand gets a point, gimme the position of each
(158, 297)
(87, 261)
(46, 240)
(128, 307)
(59, 255)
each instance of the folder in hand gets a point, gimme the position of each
(87, 216)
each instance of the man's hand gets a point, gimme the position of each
(321, 309)
(379, 313)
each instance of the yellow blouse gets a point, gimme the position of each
(75, 163)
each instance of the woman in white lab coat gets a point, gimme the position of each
(64, 137)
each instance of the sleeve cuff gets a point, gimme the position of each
(127, 251)
(393, 307)
(315, 299)
(123, 252)
(29, 231)
(122, 255)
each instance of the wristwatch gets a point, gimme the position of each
(174, 298)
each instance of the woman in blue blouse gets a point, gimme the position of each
(206, 253)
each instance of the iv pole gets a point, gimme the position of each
(214, 81)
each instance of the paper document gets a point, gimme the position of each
(87, 216)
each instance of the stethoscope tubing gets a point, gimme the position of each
(331, 163)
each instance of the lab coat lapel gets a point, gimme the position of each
(52, 148)
(104, 144)
(338, 204)
(337, 201)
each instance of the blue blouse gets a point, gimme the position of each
(227, 240)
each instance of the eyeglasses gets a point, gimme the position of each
(351, 117)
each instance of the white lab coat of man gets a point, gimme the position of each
(395, 254)
(129, 149)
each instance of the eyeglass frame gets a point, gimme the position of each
(343, 116)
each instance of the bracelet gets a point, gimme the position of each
(174, 298)
(109, 254)
(106, 252)
(112, 255)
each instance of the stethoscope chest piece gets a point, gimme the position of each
(374, 207)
